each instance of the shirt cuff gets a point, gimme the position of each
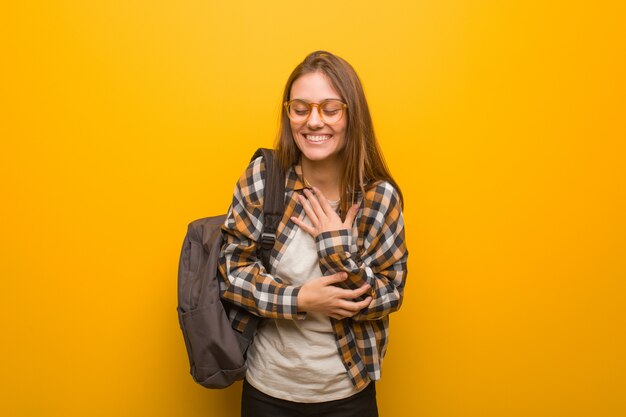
(334, 242)
(291, 307)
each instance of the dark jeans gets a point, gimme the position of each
(254, 403)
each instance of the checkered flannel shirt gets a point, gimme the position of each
(374, 251)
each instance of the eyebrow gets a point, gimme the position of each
(309, 101)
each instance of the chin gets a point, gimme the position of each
(315, 152)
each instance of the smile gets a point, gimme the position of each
(317, 138)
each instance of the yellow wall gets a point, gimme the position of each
(504, 122)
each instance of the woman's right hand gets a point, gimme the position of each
(322, 296)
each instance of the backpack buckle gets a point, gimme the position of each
(267, 240)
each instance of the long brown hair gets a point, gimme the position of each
(364, 164)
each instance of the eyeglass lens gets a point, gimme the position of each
(330, 111)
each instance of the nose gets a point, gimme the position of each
(314, 118)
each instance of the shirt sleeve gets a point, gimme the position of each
(248, 283)
(382, 261)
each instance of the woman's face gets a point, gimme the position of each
(317, 140)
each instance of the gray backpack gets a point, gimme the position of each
(216, 350)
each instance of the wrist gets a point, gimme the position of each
(301, 300)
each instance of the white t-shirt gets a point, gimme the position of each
(298, 360)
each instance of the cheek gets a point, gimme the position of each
(342, 132)
(295, 136)
(294, 129)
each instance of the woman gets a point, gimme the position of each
(339, 261)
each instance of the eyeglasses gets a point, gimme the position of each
(330, 111)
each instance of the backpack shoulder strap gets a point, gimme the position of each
(273, 202)
(273, 209)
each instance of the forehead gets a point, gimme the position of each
(314, 86)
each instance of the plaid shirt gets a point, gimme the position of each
(373, 252)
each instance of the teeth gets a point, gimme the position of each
(317, 138)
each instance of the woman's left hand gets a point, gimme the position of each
(323, 217)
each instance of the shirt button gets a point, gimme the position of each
(349, 363)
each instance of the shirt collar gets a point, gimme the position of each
(295, 181)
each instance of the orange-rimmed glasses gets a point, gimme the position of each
(330, 111)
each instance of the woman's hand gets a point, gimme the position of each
(322, 296)
(323, 217)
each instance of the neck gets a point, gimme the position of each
(324, 175)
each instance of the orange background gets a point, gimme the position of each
(504, 123)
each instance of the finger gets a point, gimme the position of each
(335, 278)
(315, 203)
(341, 314)
(348, 294)
(363, 304)
(354, 210)
(356, 293)
(304, 226)
(323, 201)
(306, 204)
(354, 306)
